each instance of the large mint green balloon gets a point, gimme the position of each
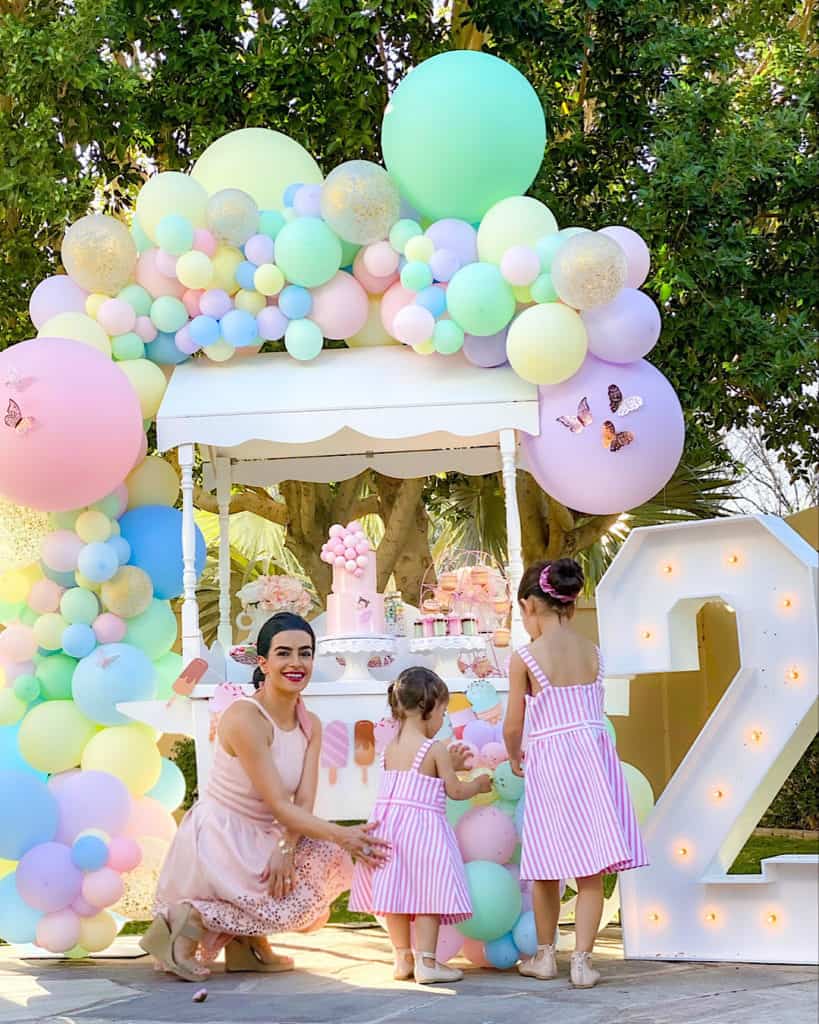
(55, 674)
(462, 131)
(479, 299)
(308, 252)
(496, 901)
(154, 631)
(168, 668)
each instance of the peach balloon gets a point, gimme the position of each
(395, 299)
(153, 280)
(340, 306)
(45, 596)
(149, 818)
(374, 285)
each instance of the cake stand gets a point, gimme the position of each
(446, 650)
(356, 651)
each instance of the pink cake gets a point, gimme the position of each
(354, 608)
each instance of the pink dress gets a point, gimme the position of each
(578, 819)
(223, 845)
(425, 873)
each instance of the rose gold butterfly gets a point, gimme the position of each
(577, 424)
(108, 659)
(623, 406)
(16, 420)
(613, 439)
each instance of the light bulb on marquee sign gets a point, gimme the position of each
(746, 750)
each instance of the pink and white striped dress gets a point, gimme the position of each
(425, 873)
(578, 818)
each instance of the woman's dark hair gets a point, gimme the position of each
(564, 580)
(416, 689)
(281, 622)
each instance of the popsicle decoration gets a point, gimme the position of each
(364, 739)
(335, 749)
(384, 732)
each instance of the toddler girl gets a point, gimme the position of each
(578, 821)
(424, 879)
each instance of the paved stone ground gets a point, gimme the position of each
(345, 978)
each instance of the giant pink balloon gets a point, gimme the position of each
(576, 469)
(58, 294)
(623, 330)
(79, 429)
(340, 307)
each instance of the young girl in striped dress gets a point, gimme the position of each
(578, 819)
(424, 879)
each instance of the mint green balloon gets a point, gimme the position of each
(28, 616)
(174, 234)
(65, 520)
(479, 299)
(308, 252)
(168, 668)
(402, 231)
(55, 674)
(461, 132)
(154, 631)
(542, 289)
(168, 314)
(270, 223)
(79, 605)
(416, 276)
(349, 251)
(127, 346)
(496, 901)
(10, 611)
(448, 337)
(456, 809)
(109, 506)
(303, 339)
(141, 240)
(137, 298)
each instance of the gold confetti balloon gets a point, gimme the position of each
(589, 270)
(233, 215)
(360, 202)
(137, 900)
(21, 533)
(99, 254)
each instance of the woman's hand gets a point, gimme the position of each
(517, 767)
(461, 756)
(280, 873)
(359, 842)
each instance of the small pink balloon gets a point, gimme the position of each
(350, 565)
(17, 643)
(58, 294)
(61, 549)
(109, 628)
(494, 754)
(362, 561)
(102, 888)
(358, 573)
(340, 561)
(149, 818)
(83, 908)
(340, 307)
(413, 325)
(395, 299)
(166, 263)
(486, 833)
(271, 323)
(116, 316)
(450, 943)
(370, 282)
(191, 300)
(205, 242)
(380, 259)
(153, 280)
(215, 302)
(124, 854)
(638, 257)
(259, 249)
(146, 329)
(473, 950)
(349, 553)
(337, 530)
(362, 547)
(59, 931)
(520, 265)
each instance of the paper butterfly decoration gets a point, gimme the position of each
(16, 420)
(623, 406)
(577, 423)
(611, 438)
(13, 381)
(108, 659)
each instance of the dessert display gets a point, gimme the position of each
(354, 608)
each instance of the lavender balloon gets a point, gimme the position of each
(570, 460)
(47, 878)
(623, 330)
(486, 352)
(457, 237)
(58, 294)
(91, 800)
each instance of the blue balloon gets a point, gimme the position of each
(79, 640)
(89, 853)
(170, 789)
(519, 815)
(204, 330)
(155, 535)
(502, 953)
(295, 302)
(525, 933)
(163, 351)
(290, 193)
(29, 814)
(113, 673)
(98, 561)
(433, 299)
(239, 328)
(11, 760)
(64, 579)
(121, 547)
(18, 921)
(244, 274)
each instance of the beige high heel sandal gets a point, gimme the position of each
(241, 956)
(159, 941)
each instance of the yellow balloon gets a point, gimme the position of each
(7, 866)
(518, 220)
(86, 584)
(547, 344)
(93, 303)
(53, 736)
(250, 302)
(21, 534)
(153, 482)
(149, 382)
(77, 327)
(12, 708)
(128, 593)
(194, 269)
(268, 279)
(258, 161)
(419, 248)
(481, 799)
(372, 334)
(48, 631)
(99, 253)
(170, 192)
(220, 351)
(126, 751)
(225, 261)
(522, 293)
(92, 526)
(14, 587)
(97, 933)
(426, 348)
